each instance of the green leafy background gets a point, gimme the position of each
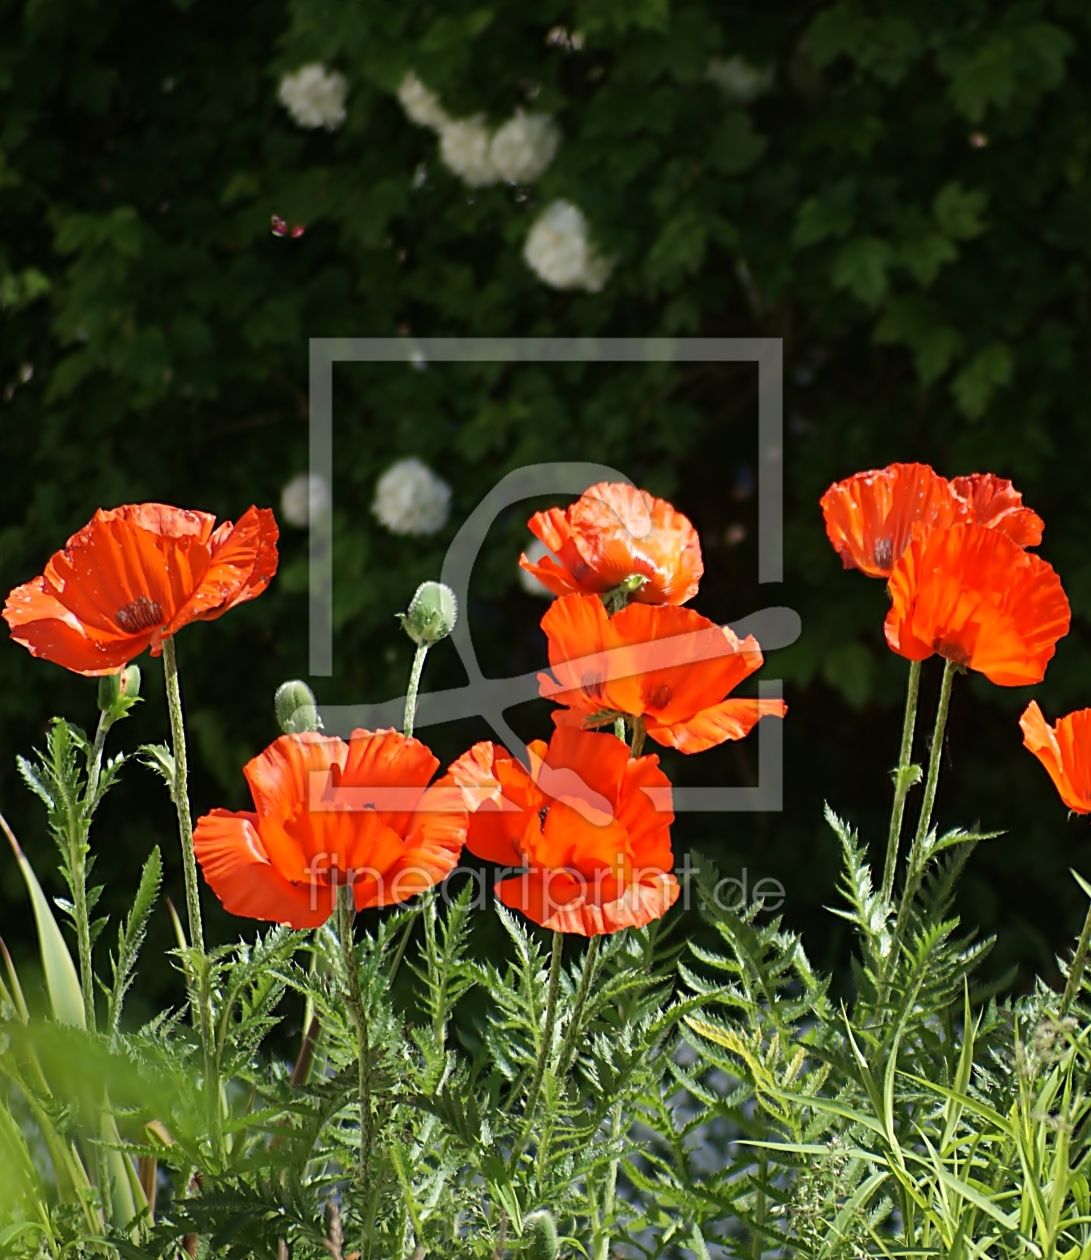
(907, 207)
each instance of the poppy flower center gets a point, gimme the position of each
(883, 553)
(141, 614)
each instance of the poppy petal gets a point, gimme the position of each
(562, 906)
(975, 597)
(48, 630)
(238, 871)
(621, 531)
(994, 502)
(1064, 750)
(495, 791)
(243, 560)
(731, 719)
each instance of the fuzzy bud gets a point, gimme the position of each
(117, 693)
(296, 708)
(540, 1230)
(432, 613)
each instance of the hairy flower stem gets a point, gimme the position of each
(543, 1049)
(1076, 970)
(903, 779)
(637, 746)
(201, 999)
(568, 1045)
(358, 1014)
(414, 687)
(914, 872)
(935, 755)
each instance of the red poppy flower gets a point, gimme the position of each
(669, 666)
(135, 575)
(329, 813)
(993, 501)
(978, 599)
(1065, 751)
(612, 532)
(871, 517)
(590, 825)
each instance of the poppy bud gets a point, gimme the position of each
(541, 1234)
(296, 708)
(432, 613)
(117, 693)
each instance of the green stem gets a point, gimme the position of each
(1076, 970)
(915, 869)
(568, 1045)
(358, 1014)
(94, 764)
(201, 999)
(543, 1049)
(604, 1218)
(181, 796)
(619, 727)
(414, 687)
(903, 779)
(78, 862)
(935, 755)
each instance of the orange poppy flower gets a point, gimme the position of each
(871, 517)
(1065, 751)
(669, 666)
(612, 532)
(589, 825)
(978, 599)
(327, 813)
(135, 575)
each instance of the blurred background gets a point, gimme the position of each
(900, 191)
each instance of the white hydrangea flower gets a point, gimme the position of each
(559, 251)
(421, 104)
(739, 81)
(315, 96)
(307, 495)
(535, 552)
(464, 145)
(411, 499)
(524, 147)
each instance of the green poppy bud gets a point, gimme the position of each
(296, 708)
(540, 1231)
(117, 693)
(432, 613)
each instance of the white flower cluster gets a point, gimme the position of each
(314, 96)
(411, 499)
(739, 81)
(560, 252)
(517, 153)
(305, 497)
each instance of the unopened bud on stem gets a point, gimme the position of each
(541, 1232)
(117, 693)
(296, 708)
(432, 613)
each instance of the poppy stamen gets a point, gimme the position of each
(141, 614)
